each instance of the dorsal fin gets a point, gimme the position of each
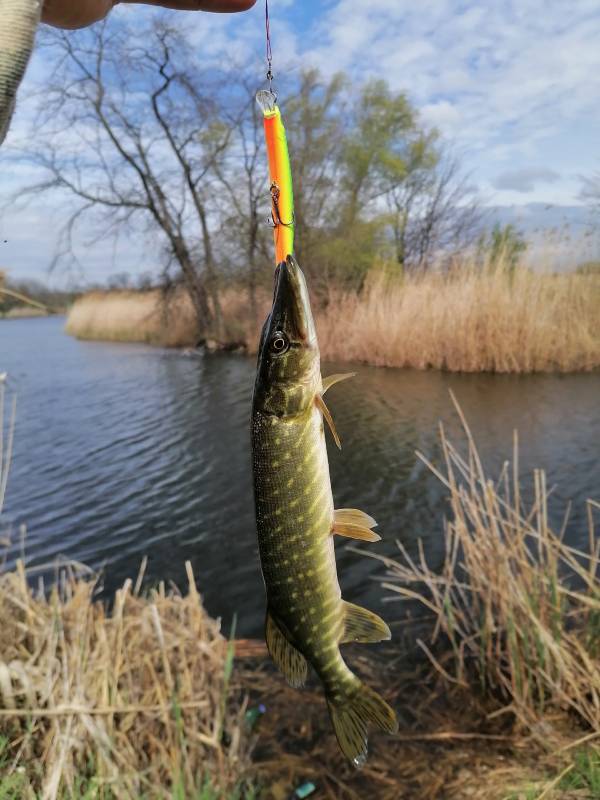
(333, 379)
(320, 403)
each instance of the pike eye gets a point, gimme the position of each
(279, 343)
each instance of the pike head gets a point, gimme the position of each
(288, 376)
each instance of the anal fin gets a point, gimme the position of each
(287, 658)
(362, 625)
(354, 524)
(320, 403)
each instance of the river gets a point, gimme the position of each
(125, 450)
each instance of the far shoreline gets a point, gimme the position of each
(487, 321)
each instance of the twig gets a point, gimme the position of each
(555, 782)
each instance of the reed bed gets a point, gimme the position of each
(128, 316)
(151, 317)
(516, 610)
(468, 319)
(131, 704)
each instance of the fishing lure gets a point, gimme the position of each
(280, 172)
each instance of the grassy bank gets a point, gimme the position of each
(469, 320)
(24, 312)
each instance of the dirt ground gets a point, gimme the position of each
(451, 744)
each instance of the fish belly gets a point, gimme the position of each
(294, 510)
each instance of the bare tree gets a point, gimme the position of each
(244, 194)
(134, 133)
(434, 210)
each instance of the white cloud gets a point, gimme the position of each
(502, 79)
(443, 115)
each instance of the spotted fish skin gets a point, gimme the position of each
(294, 512)
(18, 24)
(306, 616)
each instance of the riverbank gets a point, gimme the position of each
(23, 312)
(497, 684)
(469, 320)
(154, 701)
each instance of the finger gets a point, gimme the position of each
(222, 6)
(70, 14)
(79, 13)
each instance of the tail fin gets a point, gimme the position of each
(350, 716)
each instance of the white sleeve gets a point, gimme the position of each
(18, 24)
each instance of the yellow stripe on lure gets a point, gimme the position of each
(280, 172)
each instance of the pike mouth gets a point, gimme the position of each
(291, 310)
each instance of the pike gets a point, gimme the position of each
(307, 620)
(18, 24)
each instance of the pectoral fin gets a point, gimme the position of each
(333, 379)
(288, 660)
(320, 403)
(354, 517)
(362, 625)
(354, 524)
(356, 532)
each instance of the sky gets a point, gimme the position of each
(513, 86)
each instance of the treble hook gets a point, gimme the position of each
(275, 214)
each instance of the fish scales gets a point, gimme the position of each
(294, 517)
(307, 619)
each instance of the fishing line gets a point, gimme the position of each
(280, 173)
(269, 48)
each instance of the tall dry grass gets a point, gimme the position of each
(470, 319)
(134, 703)
(516, 609)
(149, 317)
(128, 316)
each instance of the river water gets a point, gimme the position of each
(124, 450)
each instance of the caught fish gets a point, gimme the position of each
(18, 24)
(307, 620)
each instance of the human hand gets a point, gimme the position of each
(79, 13)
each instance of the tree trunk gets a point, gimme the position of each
(195, 287)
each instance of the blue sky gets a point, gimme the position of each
(514, 86)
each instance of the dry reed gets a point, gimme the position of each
(128, 316)
(469, 319)
(135, 703)
(152, 318)
(517, 610)
(128, 704)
